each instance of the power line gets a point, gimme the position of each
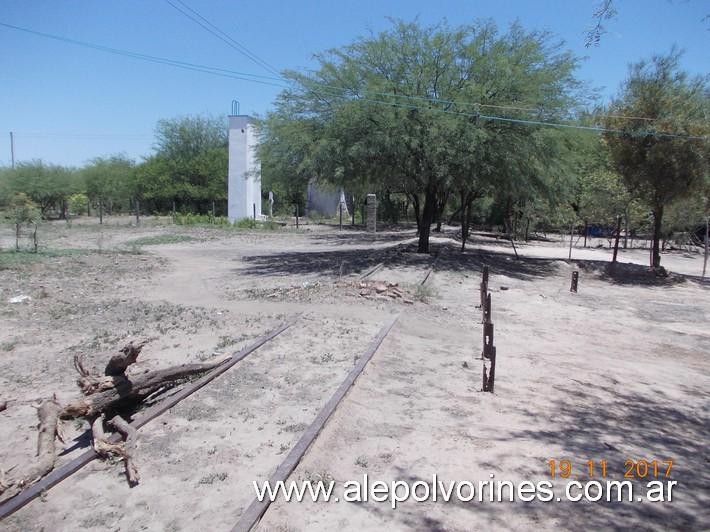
(71, 135)
(215, 71)
(244, 76)
(224, 37)
(241, 75)
(540, 122)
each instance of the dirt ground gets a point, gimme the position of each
(618, 371)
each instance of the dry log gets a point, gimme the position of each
(128, 354)
(48, 414)
(124, 389)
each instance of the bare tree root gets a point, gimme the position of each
(48, 414)
(118, 364)
(122, 450)
(130, 435)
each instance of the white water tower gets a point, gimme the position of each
(244, 181)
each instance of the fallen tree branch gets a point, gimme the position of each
(123, 389)
(48, 413)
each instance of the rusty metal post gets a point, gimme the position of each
(484, 288)
(575, 279)
(488, 357)
(487, 309)
(492, 370)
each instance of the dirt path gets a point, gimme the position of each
(619, 370)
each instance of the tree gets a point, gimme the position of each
(47, 185)
(664, 155)
(190, 163)
(108, 180)
(22, 210)
(404, 111)
(605, 11)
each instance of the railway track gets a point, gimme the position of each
(256, 509)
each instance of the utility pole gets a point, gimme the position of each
(12, 149)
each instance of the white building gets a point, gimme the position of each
(244, 182)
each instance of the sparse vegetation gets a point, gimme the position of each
(17, 259)
(156, 240)
(424, 293)
(213, 477)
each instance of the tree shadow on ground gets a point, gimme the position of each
(626, 273)
(645, 426)
(649, 426)
(354, 236)
(359, 261)
(446, 257)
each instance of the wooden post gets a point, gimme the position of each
(138, 211)
(492, 371)
(575, 279)
(484, 288)
(571, 235)
(296, 215)
(353, 213)
(586, 230)
(616, 241)
(489, 358)
(253, 205)
(705, 261)
(341, 215)
(487, 309)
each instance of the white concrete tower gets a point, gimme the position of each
(244, 182)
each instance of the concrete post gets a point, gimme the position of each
(371, 213)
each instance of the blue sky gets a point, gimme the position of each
(67, 104)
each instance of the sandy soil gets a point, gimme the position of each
(618, 371)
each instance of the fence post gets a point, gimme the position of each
(575, 279)
(488, 355)
(484, 287)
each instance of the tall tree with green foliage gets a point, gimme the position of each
(190, 162)
(407, 111)
(660, 107)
